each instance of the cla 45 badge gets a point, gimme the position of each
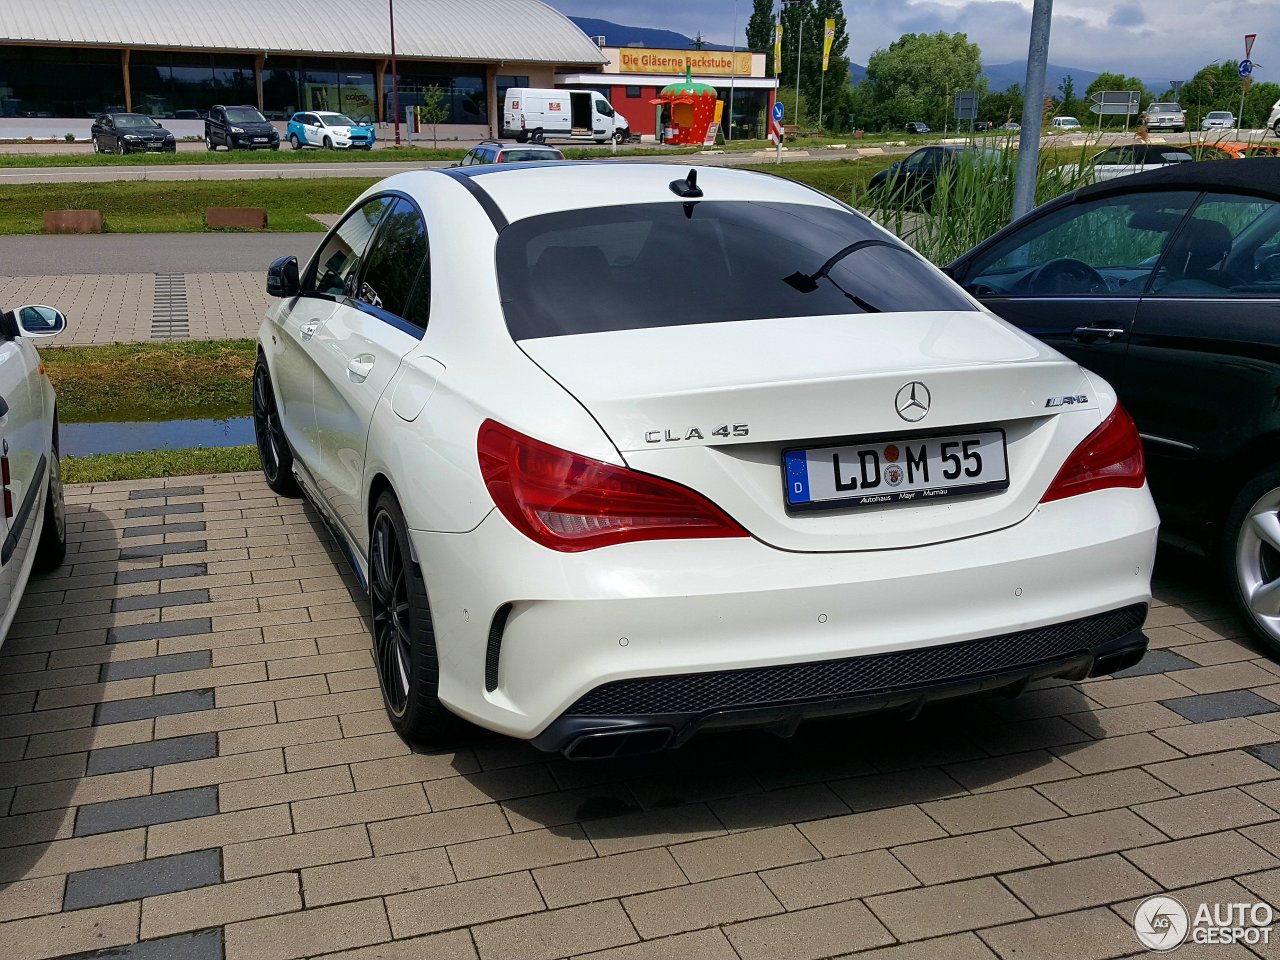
(695, 433)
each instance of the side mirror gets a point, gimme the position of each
(39, 321)
(895, 166)
(282, 278)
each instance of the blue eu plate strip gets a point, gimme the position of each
(797, 477)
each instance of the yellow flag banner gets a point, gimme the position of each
(777, 50)
(828, 38)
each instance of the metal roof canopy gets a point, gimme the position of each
(525, 31)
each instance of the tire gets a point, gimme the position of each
(294, 141)
(328, 144)
(1250, 557)
(276, 145)
(273, 447)
(1276, 128)
(619, 137)
(52, 548)
(209, 144)
(119, 148)
(404, 645)
(536, 136)
(96, 148)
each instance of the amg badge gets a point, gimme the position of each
(1066, 401)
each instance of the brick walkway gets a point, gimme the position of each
(194, 764)
(135, 307)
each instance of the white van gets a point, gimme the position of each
(538, 114)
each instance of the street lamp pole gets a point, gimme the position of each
(395, 79)
(733, 66)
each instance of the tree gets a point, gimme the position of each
(1068, 105)
(915, 78)
(760, 32)
(433, 111)
(1258, 102)
(1004, 107)
(1217, 86)
(813, 14)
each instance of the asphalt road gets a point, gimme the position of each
(55, 255)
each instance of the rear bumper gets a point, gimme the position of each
(526, 637)
(637, 716)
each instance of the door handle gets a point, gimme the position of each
(1088, 334)
(309, 330)
(360, 367)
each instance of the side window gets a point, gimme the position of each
(603, 108)
(336, 264)
(1108, 246)
(398, 251)
(920, 160)
(1229, 247)
(1116, 155)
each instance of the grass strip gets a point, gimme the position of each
(178, 206)
(100, 467)
(192, 379)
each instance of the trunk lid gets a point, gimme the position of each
(664, 396)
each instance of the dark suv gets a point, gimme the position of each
(240, 127)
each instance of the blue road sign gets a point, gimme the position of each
(778, 111)
(1246, 68)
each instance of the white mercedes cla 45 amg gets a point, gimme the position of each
(624, 451)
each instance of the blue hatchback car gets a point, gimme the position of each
(330, 131)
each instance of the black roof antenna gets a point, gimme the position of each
(688, 187)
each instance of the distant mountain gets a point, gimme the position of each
(1000, 76)
(620, 35)
(856, 72)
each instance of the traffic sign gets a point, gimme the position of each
(778, 111)
(1116, 103)
(1246, 68)
(966, 106)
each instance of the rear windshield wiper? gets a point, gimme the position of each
(808, 282)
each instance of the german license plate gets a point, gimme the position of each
(893, 470)
(260, 139)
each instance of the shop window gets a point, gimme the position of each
(60, 82)
(464, 99)
(633, 93)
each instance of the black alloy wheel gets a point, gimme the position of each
(404, 647)
(273, 448)
(119, 147)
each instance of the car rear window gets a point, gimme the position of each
(673, 264)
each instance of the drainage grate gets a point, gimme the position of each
(169, 310)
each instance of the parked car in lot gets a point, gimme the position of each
(1064, 123)
(34, 522)
(1273, 121)
(1168, 285)
(1122, 161)
(239, 128)
(816, 478)
(1165, 116)
(916, 126)
(983, 125)
(130, 133)
(1011, 126)
(1231, 150)
(917, 177)
(495, 151)
(331, 131)
(1218, 120)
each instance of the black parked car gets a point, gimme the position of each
(916, 126)
(1167, 284)
(129, 133)
(239, 128)
(917, 176)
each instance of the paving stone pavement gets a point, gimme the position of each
(195, 764)
(129, 307)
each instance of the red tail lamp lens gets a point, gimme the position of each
(1111, 456)
(571, 503)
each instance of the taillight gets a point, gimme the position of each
(1111, 456)
(570, 503)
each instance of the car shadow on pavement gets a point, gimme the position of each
(52, 670)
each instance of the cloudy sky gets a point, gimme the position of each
(1145, 38)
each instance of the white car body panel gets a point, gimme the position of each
(549, 109)
(984, 565)
(1273, 121)
(26, 430)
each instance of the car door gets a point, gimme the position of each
(1073, 276)
(327, 281)
(359, 350)
(110, 134)
(24, 442)
(1205, 354)
(96, 131)
(316, 129)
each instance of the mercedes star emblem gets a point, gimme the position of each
(912, 401)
